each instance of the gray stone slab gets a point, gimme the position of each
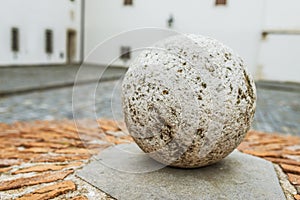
(124, 172)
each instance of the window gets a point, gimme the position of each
(125, 53)
(15, 39)
(221, 2)
(128, 2)
(49, 41)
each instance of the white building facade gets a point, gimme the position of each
(279, 50)
(264, 32)
(40, 32)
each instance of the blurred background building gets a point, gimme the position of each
(266, 33)
(39, 32)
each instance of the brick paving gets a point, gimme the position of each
(67, 147)
(37, 158)
(283, 150)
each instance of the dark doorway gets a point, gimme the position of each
(71, 46)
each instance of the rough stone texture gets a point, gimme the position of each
(290, 168)
(23, 169)
(51, 158)
(13, 136)
(49, 192)
(288, 188)
(275, 146)
(5, 169)
(33, 180)
(239, 176)
(188, 101)
(295, 179)
(9, 162)
(46, 167)
(80, 198)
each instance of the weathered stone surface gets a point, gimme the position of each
(9, 162)
(294, 178)
(11, 155)
(297, 197)
(26, 146)
(47, 167)
(188, 101)
(76, 151)
(33, 180)
(37, 150)
(50, 191)
(260, 153)
(45, 144)
(291, 152)
(58, 158)
(288, 189)
(260, 144)
(239, 176)
(290, 168)
(4, 169)
(80, 198)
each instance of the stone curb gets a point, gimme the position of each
(277, 85)
(54, 86)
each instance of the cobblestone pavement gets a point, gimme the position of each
(277, 111)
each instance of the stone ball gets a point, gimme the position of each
(188, 101)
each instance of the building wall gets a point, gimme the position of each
(234, 24)
(32, 17)
(239, 24)
(279, 51)
(282, 14)
(280, 59)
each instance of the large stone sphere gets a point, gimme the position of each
(188, 101)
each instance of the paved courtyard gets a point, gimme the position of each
(277, 110)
